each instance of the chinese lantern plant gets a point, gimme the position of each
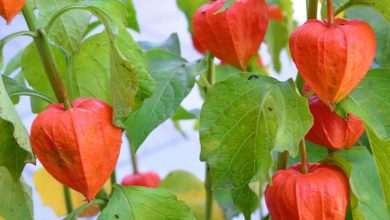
(89, 89)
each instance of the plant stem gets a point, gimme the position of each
(330, 13)
(282, 160)
(8, 38)
(312, 9)
(208, 180)
(134, 161)
(209, 193)
(33, 94)
(113, 178)
(47, 57)
(68, 200)
(351, 3)
(304, 163)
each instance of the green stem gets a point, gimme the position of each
(282, 160)
(68, 200)
(352, 3)
(47, 57)
(33, 94)
(113, 178)
(134, 160)
(69, 81)
(209, 193)
(304, 162)
(8, 38)
(208, 179)
(312, 9)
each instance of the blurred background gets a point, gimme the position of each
(165, 150)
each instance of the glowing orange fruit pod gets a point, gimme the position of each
(333, 60)
(148, 179)
(321, 194)
(331, 130)
(80, 146)
(10, 8)
(275, 13)
(234, 35)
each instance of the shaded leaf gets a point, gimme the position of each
(277, 39)
(15, 147)
(91, 69)
(171, 44)
(370, 101)
(13, 64)
(132, 21)
(315, 153)
(367, 201)
(68, 30)
(242, 121)
(175, 79)
(381, 152)
(382, 32)
(15, 198)
(191, 190)
(36, 77)
(145, 203)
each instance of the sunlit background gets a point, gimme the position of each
(165, 149)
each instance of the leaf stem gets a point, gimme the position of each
(330, 13)
(113, 178)
(47, 57)
(8, 38)
(33, 94)
(304, 163)
(68, 200)
(134, 160)
(282, 160)
(209, 193)
(352, 3)
(208, 180)
(312, 9)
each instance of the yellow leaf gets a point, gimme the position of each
(196, 200)
(1, 218)
(52, 194)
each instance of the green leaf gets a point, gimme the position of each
(382, 6)
(370, 101)
(189, 8)
(367, 201)
(277, 39)
(68, 30)
(145, 203)
(171, 44)
(75, 214)
(315, 153)
(15, 147)
(381, 152)
(180, 182)
(191, 190)
(13, 64)
(130, 82)
(243, 120)
(36, 77)
(91, 69)
(226, 5)
(132, 21)
(15, 89)
(382, 32)
(183, 114)
(175, 78)
(15, 197)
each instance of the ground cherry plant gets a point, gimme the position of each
(316, 147)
